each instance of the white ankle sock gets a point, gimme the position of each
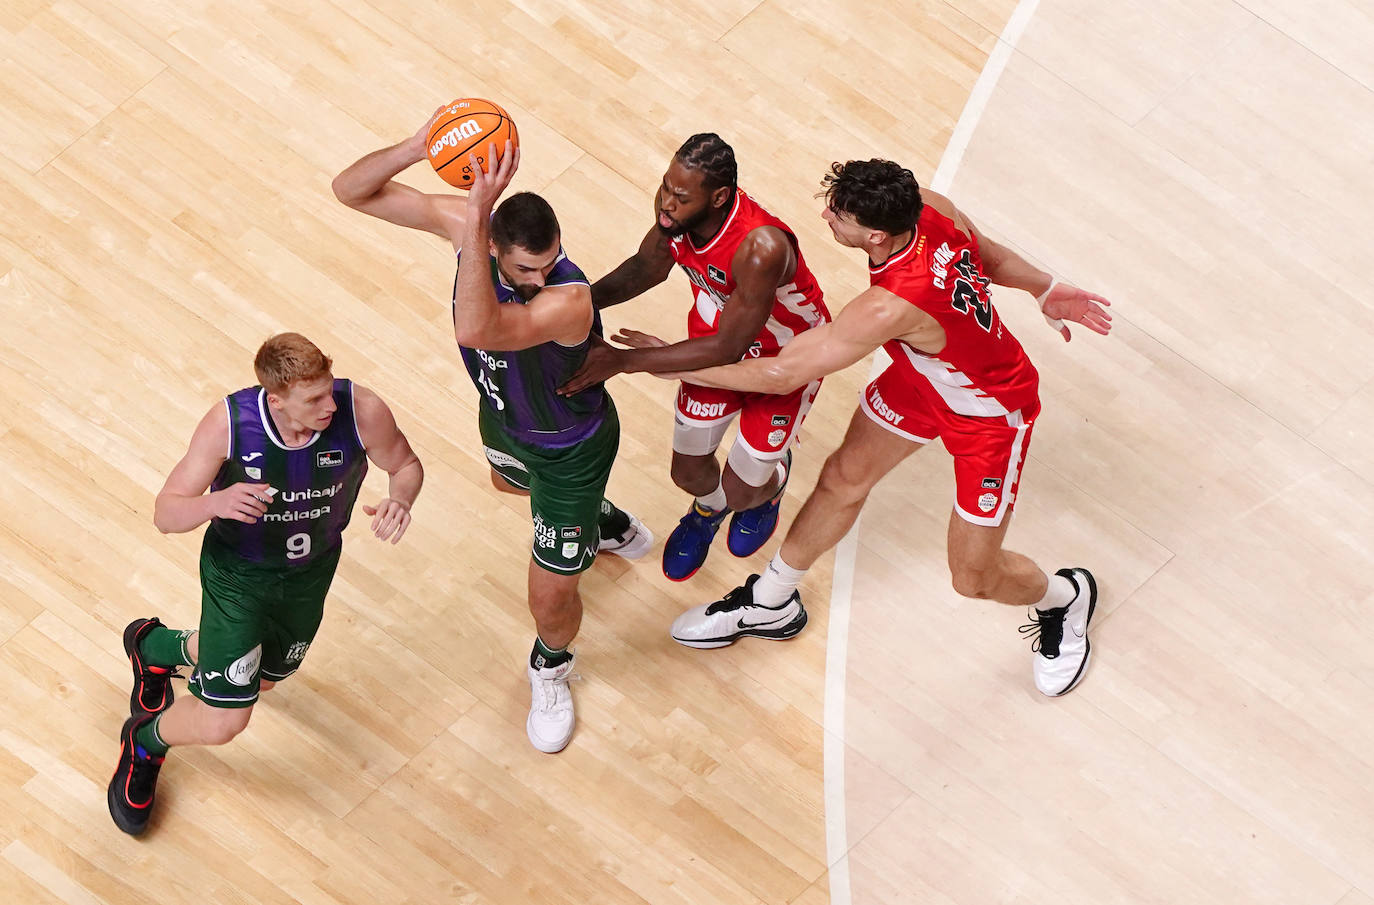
(715, 500)
(1060, 592)
(777, 583)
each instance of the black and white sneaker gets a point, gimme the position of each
(152, 692)
(736, 616)
(133, 787)
(1061, 647)
(632, 543)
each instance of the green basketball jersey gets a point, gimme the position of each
(316, 484)
(519, 388)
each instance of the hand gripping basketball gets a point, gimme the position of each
(464, 130)
(489, 183)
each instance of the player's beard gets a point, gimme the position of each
(681, 228)
(526, 291)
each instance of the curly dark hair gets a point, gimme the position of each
(526, 220)
(878, 193)
(708, 152)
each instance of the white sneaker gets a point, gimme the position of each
(1061, 647)
(551, 720)
(634, 543)
(735, 616)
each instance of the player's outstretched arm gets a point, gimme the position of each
(1058, 301)
(389, 450)
(871, 319)
(368, 185)
(183, 505)
(759, 265)
(637, 274)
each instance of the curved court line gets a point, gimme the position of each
(842, 582)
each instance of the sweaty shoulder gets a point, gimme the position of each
(937, 202)
(769, 247)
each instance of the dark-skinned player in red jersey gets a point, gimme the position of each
(752, 294)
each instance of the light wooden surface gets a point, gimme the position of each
(1206, 165)
(165, 205)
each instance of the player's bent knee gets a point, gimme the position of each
(692, 474)
(839, 478)
(221, 725)
(552, 605)
(971, 582)
(683, 470)
(552, 592)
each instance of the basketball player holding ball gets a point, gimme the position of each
(523, 319)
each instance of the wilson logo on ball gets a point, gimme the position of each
(466, 129)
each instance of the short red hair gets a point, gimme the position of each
(287, 358)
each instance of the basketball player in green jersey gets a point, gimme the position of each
(523, 317)
(283, 462)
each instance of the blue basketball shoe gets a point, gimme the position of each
(750, 529)
(686, 548)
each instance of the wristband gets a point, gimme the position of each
(1054, 322)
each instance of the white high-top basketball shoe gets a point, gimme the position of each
(551, 720)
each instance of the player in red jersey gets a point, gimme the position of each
(957, 373)
(752, 295)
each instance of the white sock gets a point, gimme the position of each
(777, 583)
(1060, 593)
(715, 500)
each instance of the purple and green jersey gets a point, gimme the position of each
(316, 484)
(519, 389)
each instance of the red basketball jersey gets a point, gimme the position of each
(982, 370)
(797, 306)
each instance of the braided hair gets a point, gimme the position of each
(708, 152)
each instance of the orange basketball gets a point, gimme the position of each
(468, 126)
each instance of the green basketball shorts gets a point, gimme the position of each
(256, 622)
(566, 487)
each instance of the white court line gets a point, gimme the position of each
(981, 94)
(842, 584)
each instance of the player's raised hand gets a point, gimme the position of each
(1066, 302)
(487, 185)
(390, 518)
(241, 502)
(418, 144)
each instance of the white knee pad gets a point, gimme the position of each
(693, 439)
(750, 467)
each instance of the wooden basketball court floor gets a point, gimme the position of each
(165, 206)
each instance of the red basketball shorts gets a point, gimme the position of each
(989, 452)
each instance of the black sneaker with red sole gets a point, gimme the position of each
(134, 784)
(152, 692)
